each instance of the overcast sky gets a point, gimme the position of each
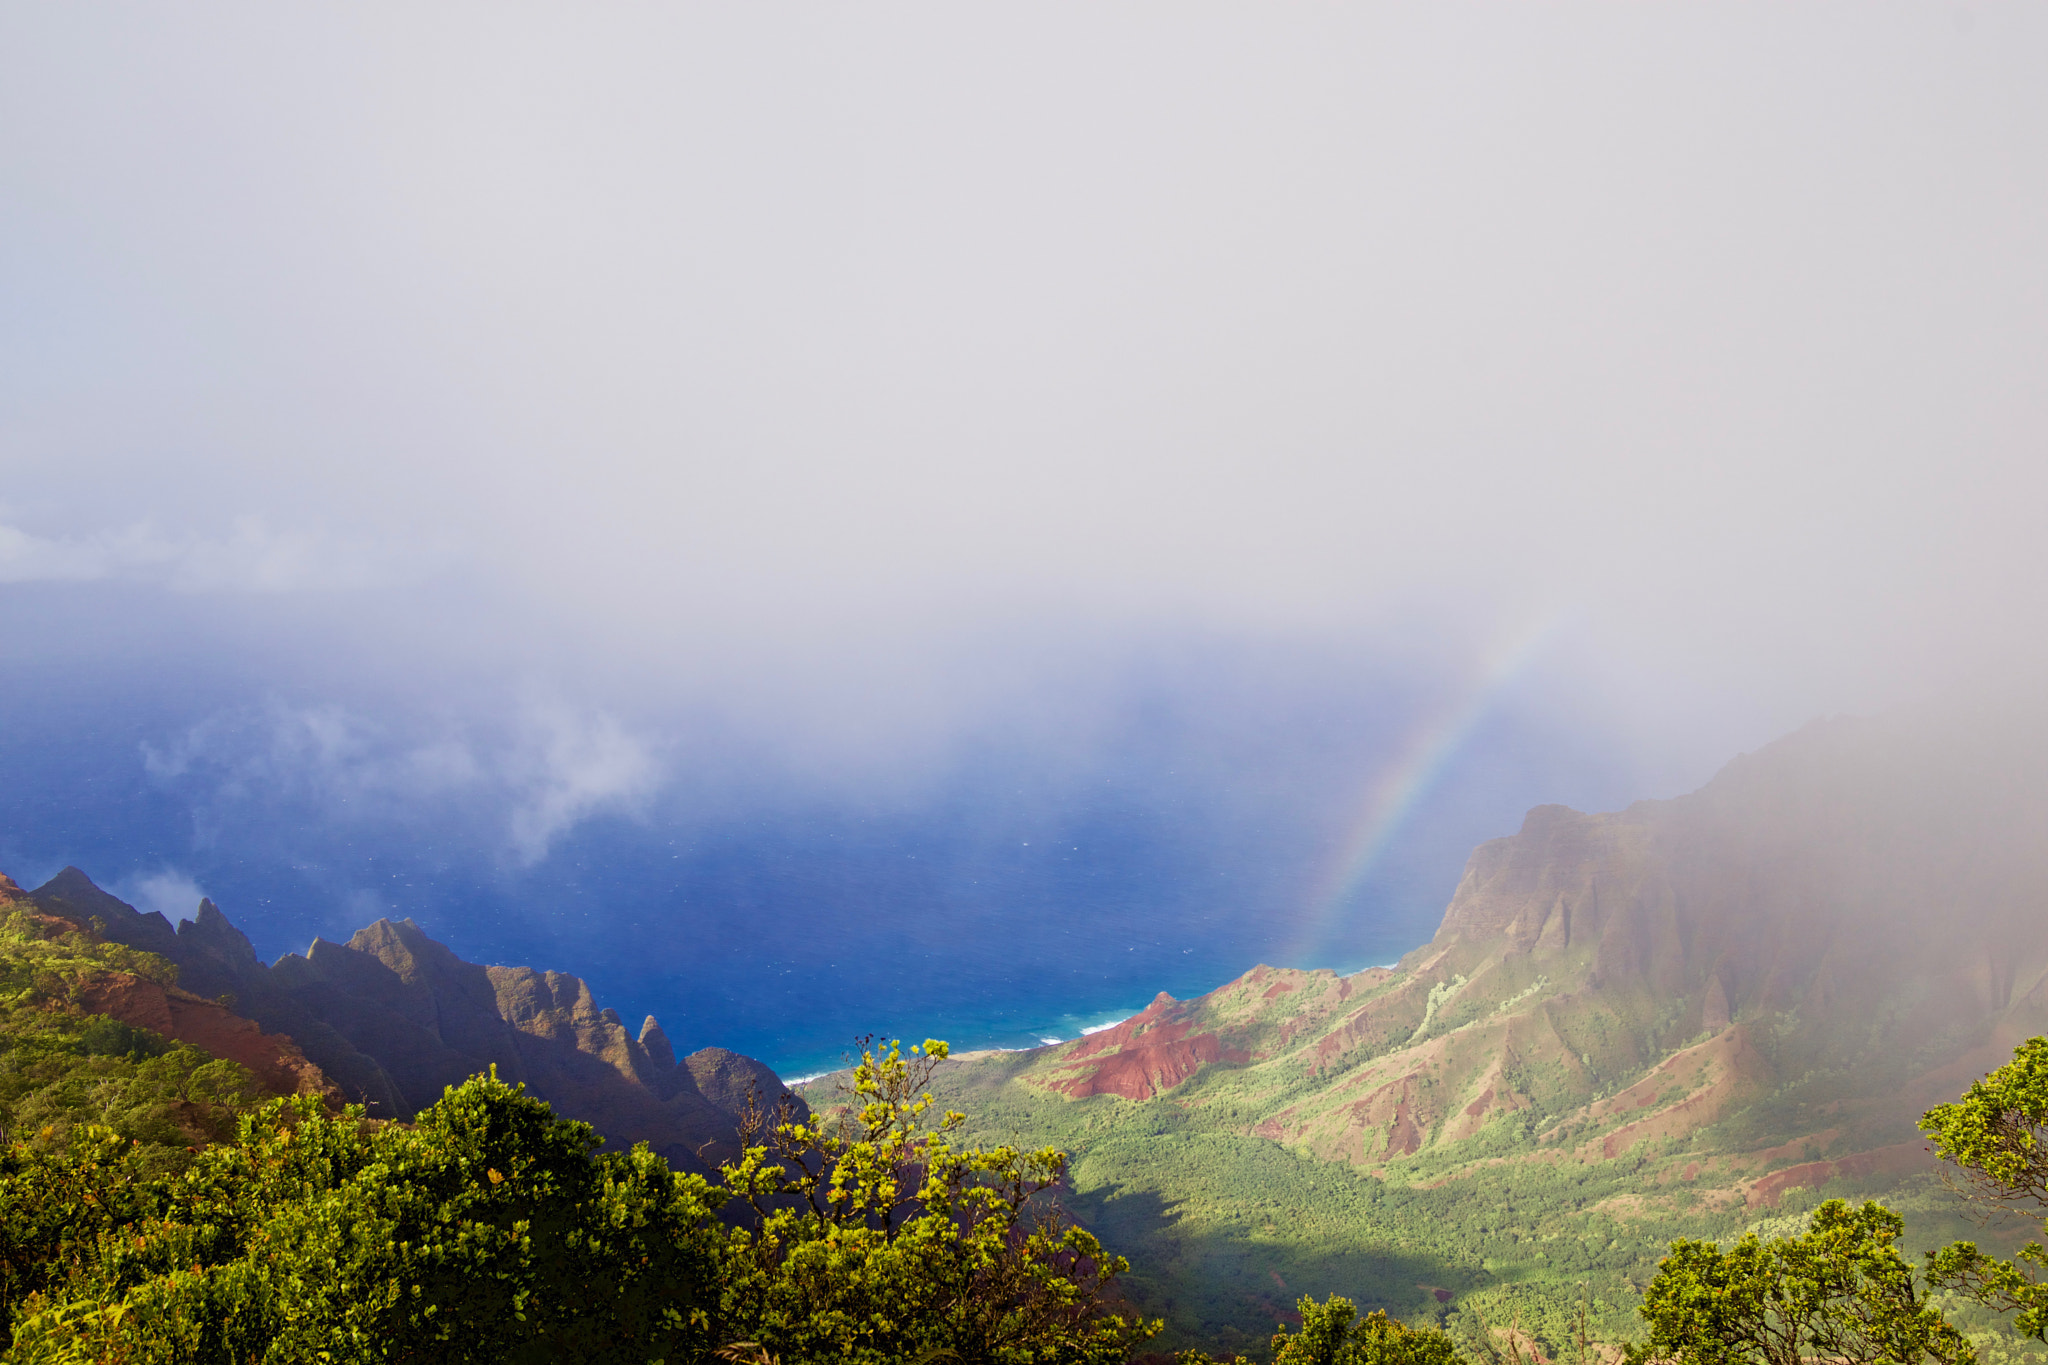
(799, 352)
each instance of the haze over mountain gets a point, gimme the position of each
(1685, 1017)
(1664, 1019)
(633, 488)
(1215, 807)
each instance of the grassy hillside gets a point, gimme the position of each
(1681, 1019)
(64, 1064)
(1226, 1229)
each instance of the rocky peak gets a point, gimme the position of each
(659, 1050)
(732, 1082)
(210, 932)
(72, 895)
(392, 1017)
(401, 946)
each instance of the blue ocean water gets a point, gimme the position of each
(1009, 896)
(784, 935)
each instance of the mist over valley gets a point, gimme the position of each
(1023, 685)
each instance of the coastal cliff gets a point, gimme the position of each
(1755, 987)
(393, 1017)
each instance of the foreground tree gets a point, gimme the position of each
(1332, 1333)
(1997, 1136)
(487, 1231)
(877, 1238)
(1840, 1292)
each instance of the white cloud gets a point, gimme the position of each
(168, 892)
(535, 776)
(251, 556)
(276, 749)
(573, 765)
(809, 330)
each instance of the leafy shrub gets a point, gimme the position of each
(490, 1230)
(1997, 1136)
(877, 1238)
(1839, 1291)
(1332, 1333)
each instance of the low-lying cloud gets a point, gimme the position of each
(742, 363)
(169, 892)
(249, 556)
(522, 780)
(571, 765)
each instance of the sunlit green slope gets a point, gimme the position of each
(1678, 1019)
(73, 1052)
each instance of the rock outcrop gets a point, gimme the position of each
(393, 1017)
(215, 960)
(279, 1065)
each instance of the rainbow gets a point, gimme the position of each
(1394, 791)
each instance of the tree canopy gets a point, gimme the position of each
(1332, 1333)
(1839, 1292)
(1997, 1137)
(490, 1230)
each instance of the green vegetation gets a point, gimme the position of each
(1333, 1334)
(1842, 1292)
(155, 1208)
(1509, 1229)
(62, 1066)
(1838, 1292)
(1997, 1134)
(490, 1230)
(876, 1237)
(487, 1232)
(1227, 1229)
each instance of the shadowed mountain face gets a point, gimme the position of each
(1754, 987)
(394, 1017)
(276, 1063)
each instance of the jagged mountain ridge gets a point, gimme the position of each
(392, 1017)
(279, 1065)
(1750, 988)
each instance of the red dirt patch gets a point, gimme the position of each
(1150, 1064)
(1714, 1075)
(1894, 1160)
(1406, 1137)
(276, 1061)
(1112, 1038)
